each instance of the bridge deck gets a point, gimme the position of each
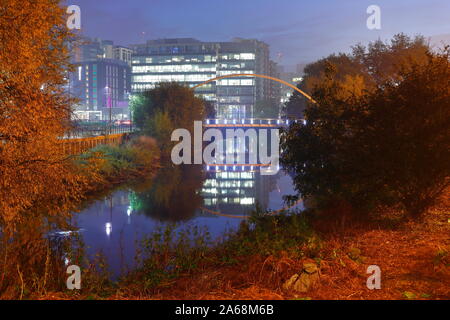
(239, 125)
(249, 123)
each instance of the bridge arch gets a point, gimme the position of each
(307, 96)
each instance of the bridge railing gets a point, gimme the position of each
(88, 132)
(76, 146)
(103, 130)
(252, 121)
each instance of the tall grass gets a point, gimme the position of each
(171, 252)
(137, 157)
(33, 262)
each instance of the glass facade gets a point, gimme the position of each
(192, 62)
(102, 85)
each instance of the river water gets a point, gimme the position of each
(187, 196)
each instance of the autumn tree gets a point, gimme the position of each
(169, 106)
(385, 144)
(34, 110)
(365, 68)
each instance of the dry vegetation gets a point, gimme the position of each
(414, 259)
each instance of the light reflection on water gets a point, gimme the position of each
(115, 225)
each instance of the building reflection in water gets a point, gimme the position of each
(181, 196)
(116, 224)
(237, 192)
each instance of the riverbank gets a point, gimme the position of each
(32, 261)
(256, 263)
(414, 259)
(107, 166)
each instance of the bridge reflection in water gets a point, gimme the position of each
(213, 196)
(187, 195)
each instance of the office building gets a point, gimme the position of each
(92, 49)
(275, 87)
(122, 53)
(293, 78)
(103, 87)
(193, 62)
(101, 82)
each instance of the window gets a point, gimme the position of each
(236, 82)
(247, 56)
(173, 77)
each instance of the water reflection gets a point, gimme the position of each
(113, 225)
(188, 195)
(172, 196)
(237, 192)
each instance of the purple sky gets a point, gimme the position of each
(302, 30)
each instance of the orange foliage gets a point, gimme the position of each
(34, 109)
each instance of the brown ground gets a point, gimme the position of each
(414, 259)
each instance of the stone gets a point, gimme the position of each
(310, 268)
(304, 282)
(354, 253)
(288, 285)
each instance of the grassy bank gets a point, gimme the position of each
(32, 259)
(256, 262)
(112, 165)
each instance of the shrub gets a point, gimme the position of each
(137, 157)
(384, 147)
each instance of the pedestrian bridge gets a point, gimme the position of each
(83, 139)
(250, 123)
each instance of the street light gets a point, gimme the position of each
(129, 97)
(108, 105)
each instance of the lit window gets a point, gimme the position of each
(247, 56)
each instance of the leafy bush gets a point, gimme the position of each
(158, 112)
(265, 234)
(138, 156)
(171, 251)
(388, 146)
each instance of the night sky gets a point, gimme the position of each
(301, 30)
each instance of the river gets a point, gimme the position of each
(188, 196)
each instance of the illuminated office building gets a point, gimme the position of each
(192, 62)
(102, 86)
(123, 53)
(101, 81)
